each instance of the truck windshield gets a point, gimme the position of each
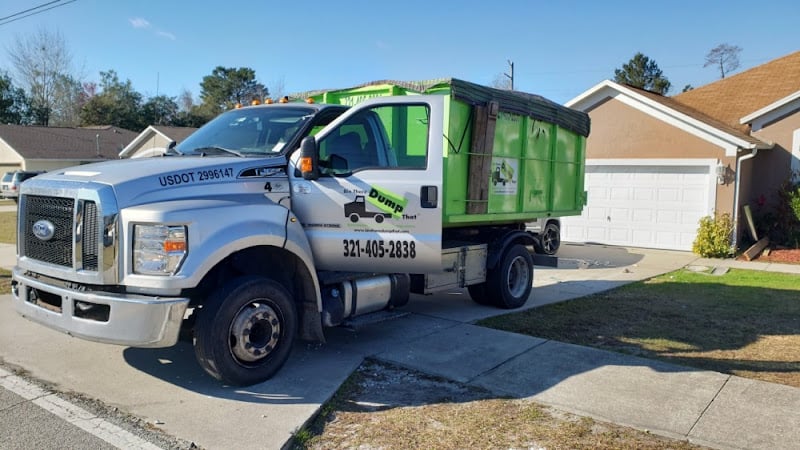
(255, 131)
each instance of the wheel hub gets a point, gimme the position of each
(255, 332)
(518, 279)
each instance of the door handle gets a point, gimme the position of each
(429, 196)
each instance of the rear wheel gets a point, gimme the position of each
(245, 331)
(511, 281)
(509, 284)
(550, 239)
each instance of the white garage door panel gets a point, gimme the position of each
(642, 206)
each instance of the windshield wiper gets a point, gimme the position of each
(213, 148)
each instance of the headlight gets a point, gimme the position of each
(158, 249)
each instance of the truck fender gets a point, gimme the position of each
(233, 228)
(501, 242)
(290, 237)
(311, 314)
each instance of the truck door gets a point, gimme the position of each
(376, 206)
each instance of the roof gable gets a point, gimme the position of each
(670, 111)
(176, 134)
(737, 97)
(772, 112)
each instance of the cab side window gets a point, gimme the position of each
(390, 136)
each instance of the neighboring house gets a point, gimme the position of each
(656, 165)
(154, 140)
(34, 148)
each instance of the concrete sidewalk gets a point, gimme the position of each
(437, 338)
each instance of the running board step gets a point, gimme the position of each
(373, 318)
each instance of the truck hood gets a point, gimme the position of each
(149, 180)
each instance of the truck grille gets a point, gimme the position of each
(89, 250)
(61, 213)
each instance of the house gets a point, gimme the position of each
(35, 148)
(154, 140)
(656, 164)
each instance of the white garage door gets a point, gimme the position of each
(643, 206)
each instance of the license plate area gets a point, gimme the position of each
(46, 300)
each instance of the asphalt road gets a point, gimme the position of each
(33, 416)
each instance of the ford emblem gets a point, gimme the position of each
(44, 230)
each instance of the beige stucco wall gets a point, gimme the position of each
(155, 140)
(8, 157)
(7, 168)
(773, 166)
(50, 165)
(620, 131)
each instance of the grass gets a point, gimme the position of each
(8, 235)
(5, 282)
(8, 227)
(745, 323)
(386, 407)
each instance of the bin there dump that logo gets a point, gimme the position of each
(387, 202)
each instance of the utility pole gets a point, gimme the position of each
(511, 77)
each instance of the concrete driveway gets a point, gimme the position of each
(166, 386)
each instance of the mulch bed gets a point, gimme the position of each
(783, 255)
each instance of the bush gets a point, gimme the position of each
(714, 237)
(783, 221)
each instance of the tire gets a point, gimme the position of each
(550, 239)
(354, 217)
(245, 331)
(379, 218)
(511, 281)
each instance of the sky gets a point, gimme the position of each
(559, 48)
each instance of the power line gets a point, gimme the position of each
(33, 11)
(29, 9)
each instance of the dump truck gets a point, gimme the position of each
(244, 233)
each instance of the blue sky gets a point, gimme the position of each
(559, 48)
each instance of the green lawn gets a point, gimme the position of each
(8, 227)
(8, 235)
(744, 322)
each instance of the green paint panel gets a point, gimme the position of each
(456, 142)
(505, 175)
(538, 164)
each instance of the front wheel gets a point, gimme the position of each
(245, 331)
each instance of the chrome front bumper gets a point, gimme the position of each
(131, 320)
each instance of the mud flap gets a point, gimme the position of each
(544, 260)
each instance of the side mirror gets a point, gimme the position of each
(309, 158)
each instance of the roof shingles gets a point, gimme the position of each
(682, 108)
(730, 99)
(95, 143)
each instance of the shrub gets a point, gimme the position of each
(714, 237)
(783, 221)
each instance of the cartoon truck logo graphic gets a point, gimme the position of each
(357, 209)
(503, 173)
